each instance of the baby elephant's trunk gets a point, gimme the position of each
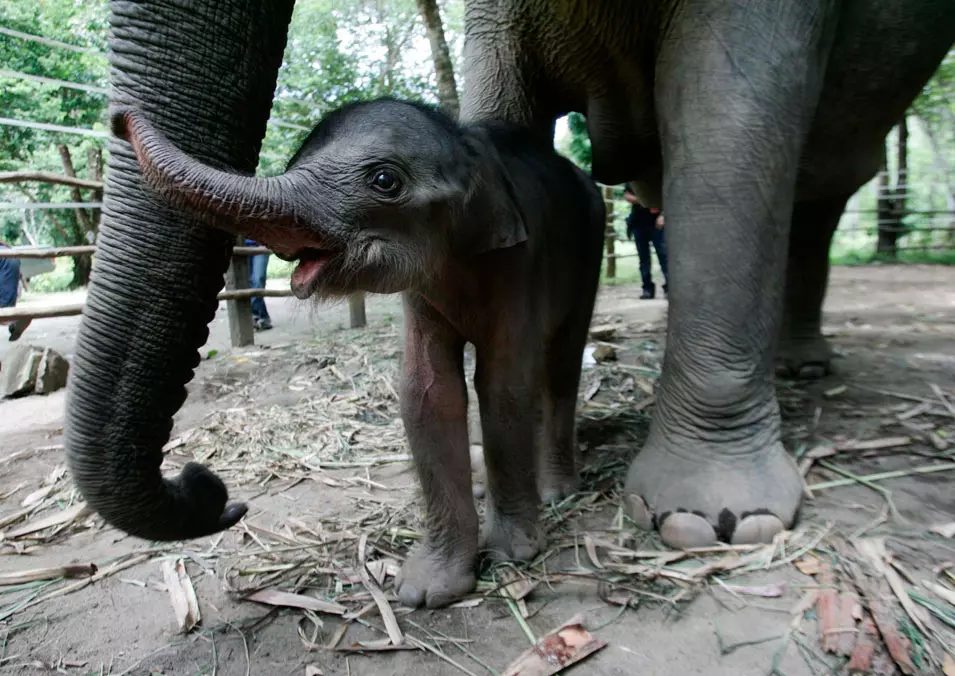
(224, 199)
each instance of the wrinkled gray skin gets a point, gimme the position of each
(752, 122)
(497, 241)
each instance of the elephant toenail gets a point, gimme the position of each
(683, 530)
(640, 512)
(758, 529)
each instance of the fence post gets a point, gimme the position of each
(356, 310)
(611, 234)
(241, 329)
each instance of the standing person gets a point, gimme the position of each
(9, 288)
(258, 273)
(645, 225)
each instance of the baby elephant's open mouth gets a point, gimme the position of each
(305, 277)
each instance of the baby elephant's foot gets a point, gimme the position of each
(555, 484)
(698, 499)
(432, 578)
(512, 539)
(806, 359)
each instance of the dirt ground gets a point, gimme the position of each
(303, 427)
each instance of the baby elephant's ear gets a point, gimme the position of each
(493, 218)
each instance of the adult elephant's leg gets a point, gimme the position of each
(803, 352)
(204, 73)
(736, 86)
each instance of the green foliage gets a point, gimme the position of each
(58, 280)
(77, 23)
(338, 51)
(81, 24)
(577, 144)
(344, 51)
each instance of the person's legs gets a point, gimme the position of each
(660, 244)
(642, 240)
(258, 272)
(9, 287)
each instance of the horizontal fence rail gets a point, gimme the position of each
(68, 251)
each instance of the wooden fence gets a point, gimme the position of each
(237, 292)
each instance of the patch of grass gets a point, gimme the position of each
(858, 257)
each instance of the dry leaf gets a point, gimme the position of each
(874, 550)
(608, 593)
(771, 591)
(181, 593)
(59, 518)
(591, 548)
(273, 597)
(874, 444)
(943, 592)
(948, 665)
(515, 585)
(37, 496)
(809, 565)
(820, 452)
(861, 660)
(946, 530)
(827, 609)
(84, 570)
(312, 670)
(387, 614)
(556, 651)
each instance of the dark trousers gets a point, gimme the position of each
(258, 272)
(643, 237)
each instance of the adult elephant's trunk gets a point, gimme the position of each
(204, 73)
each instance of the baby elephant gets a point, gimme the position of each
(495, 240)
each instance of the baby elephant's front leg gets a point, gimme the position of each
(434, 409)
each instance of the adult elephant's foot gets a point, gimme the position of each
(696, 497)
(435, 578)
(803, 359)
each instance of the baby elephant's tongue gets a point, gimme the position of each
(306, 275)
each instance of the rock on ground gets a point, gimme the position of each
(28, 369)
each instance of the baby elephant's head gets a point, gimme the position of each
(378, 197)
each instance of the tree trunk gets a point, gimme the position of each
(447, 89)
(82, 265)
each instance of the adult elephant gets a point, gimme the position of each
(752, 121)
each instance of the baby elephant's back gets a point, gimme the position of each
(562, 206)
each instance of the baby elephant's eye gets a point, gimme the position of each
(386, 182)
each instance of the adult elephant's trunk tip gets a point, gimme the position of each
(191, 505)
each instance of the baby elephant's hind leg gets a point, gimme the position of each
(508, 397)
